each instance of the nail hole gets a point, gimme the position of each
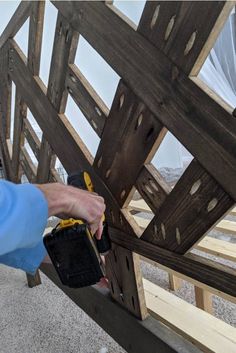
(155, 16)
(147, 187)
(163, 231)
(99, 162)
(73, 79)
(170, 27)
(139, 121)
(112, 288)
(133, 302)
(108, 173)
(153, 184)
(98, 111)
(195, 187)
(177, 235)
(127, 263)
(94, 124)
(121, 101)
(149, 134)
(190, 43)
(212, 204)
(122, 194)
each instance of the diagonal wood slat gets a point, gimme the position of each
(190, 210)
(64, 49)
(168, 93)
(184, 30)
(130, 138)
(156, 93)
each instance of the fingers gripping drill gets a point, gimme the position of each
(74, 251)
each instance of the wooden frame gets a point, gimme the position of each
(158, 91)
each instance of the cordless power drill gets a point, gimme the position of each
(74, 251)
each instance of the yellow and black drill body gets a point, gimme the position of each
(74, 252)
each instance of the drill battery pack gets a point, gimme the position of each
(74, 255)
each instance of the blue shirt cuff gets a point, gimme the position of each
(28, 259)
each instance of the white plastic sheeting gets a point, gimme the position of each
(219, 73)
(219, 70)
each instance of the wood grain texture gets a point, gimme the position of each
(130, 138)
(123, 270)
(152, 187)
(212, 274)
(18, 136)
(191, 209)
(64, 49)
(32, 138)
(35, 36)
(171, 96)
(89, 102)
(182, 25)
(208, 333)
(56, 125)
(27, 164)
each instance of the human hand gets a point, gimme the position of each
(74, 202)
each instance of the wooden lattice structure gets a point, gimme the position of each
(158, 63)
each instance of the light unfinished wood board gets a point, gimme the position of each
(204, 330)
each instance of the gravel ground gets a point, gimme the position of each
(45, 320)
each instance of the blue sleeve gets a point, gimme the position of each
(23, 218)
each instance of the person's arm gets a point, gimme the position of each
(24, 212)
(23, 216)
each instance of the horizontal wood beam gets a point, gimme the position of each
(218, 247)
(166, 90)
(226, 226)
(132, 334)
(219, 277)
